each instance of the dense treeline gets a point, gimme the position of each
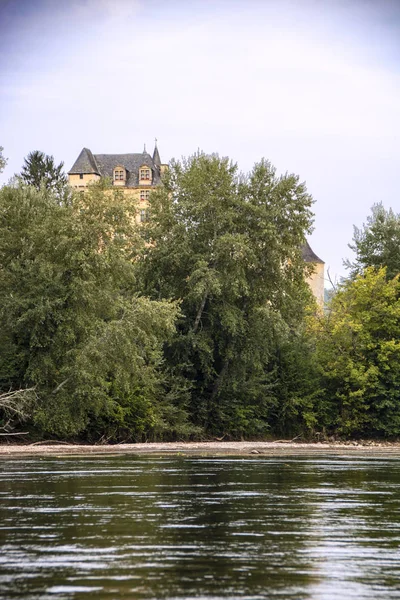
(198, 323)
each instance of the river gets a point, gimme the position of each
(315, 527)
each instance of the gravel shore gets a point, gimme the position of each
(212, 448)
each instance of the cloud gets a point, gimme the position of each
(104, 9)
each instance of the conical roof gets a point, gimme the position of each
(309, 255)
(84, 164)
(156, 157)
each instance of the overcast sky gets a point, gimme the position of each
(312, 85)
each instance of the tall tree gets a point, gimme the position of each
(229, 249)
(377, 243)
(358, 351)
(40, 169)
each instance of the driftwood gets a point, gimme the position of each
(43, 442)
(287, 441)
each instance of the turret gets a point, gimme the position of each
(156, 156)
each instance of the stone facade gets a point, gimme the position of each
(316, 281)
(134, 174)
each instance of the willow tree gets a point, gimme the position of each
(228, 247)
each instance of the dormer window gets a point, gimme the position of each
(144, 174)
(119, 175)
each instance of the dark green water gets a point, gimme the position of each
(200, 527)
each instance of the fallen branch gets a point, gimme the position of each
(16, 406)
(17, 402)
(287, 441)
(43, 442)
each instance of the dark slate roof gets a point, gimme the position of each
(156, 157)
(85, 163)
(309, 255)
(104, 165)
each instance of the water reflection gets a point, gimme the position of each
(186, 527)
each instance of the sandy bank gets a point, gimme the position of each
(212, 448)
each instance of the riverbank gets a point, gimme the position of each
(236, 448)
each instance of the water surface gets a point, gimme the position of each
(142, 527)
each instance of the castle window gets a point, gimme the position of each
(144, 194)
(119, 174)
(144, 215)
(80, 175)
(144, 174)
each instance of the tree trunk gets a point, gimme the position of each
(219, 380)
(200, 312)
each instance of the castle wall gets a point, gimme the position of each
(316, 281)
(77, 182)
(81, 184)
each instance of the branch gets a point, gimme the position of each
(17, 403)
(60, 385)
(334, 286)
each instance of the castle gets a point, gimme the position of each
(134, 174)
(137, 174)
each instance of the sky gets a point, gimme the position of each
(311, 85)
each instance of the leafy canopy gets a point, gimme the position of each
(3, 161)
(358, 350)
(377, 243)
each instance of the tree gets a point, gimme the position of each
(3, 161)
(229, 249)
(40, 169)
(72, 325)
(358, 351)
(377, 243)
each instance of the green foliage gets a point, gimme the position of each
(193, 324)
(71, 322)
(40, 169)
(228, 248)
(377, 244)
(3, 161)
(296, 410)
(358, 352)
